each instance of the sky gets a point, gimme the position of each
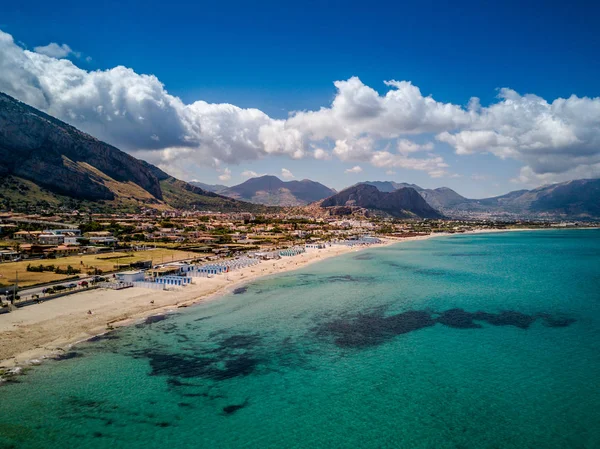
(482, 98)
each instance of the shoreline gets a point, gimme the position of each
(49, 329)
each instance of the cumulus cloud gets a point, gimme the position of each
(553, 139)
(406, 146)
(354, 170)
(249, 174)
(556, 140)
(286, 174)
(55, 51)
(321, 154)
(226, 175)
(434, 166)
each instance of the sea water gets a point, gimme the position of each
(468, 341)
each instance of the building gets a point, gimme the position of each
(51, 239)
(69, 232)
(130, 276)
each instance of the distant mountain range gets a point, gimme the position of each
(46, 162)
(404, 202)
(578, 199)
(272, 191)
(216, 188)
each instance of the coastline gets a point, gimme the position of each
(48, 329)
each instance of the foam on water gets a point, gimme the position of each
(477, 341)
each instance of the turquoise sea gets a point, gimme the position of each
(468, 341)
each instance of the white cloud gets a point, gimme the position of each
(434, 166)
(354, 170)
(406, 146)
(552, 139)
(249, 174)
(359, 149)
(55, 51)
(226, 176)
(321, 154)
(555, 140)
(286, 174)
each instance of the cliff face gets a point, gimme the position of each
(40, 148)
(403, 203)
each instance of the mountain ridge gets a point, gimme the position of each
(40, 153)
(404, 202)
(270, 190)
(579, 198)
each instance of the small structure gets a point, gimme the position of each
(130, 276)
(176, 281)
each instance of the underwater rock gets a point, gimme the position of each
(230, 409)
(67, 356)
(371, 329)
(506, 318)
(155, 319)
(457, 318)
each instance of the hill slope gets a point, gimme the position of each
(402, 203)
(271, 190)
(44, 161)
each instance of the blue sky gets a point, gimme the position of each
(281, 57)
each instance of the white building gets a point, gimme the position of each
(130, 276)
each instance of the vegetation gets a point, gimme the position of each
(89, 263)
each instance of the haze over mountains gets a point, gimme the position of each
(272, 191)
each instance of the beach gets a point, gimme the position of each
(50, 328)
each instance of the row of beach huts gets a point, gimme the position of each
(180, 274)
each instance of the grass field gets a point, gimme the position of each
(105, 262)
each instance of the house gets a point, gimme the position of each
(103, 240)
(51, 239)
(62, 250)
(30, 236)
(8, 255)
(69, 232)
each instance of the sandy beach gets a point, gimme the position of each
(43, 330)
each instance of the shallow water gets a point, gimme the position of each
(474, 341)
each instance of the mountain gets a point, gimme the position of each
(271, 190)
(578, 199)
(405, 202)
(569, 200)
(46, 162)
(216, 188)
(440, 198)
